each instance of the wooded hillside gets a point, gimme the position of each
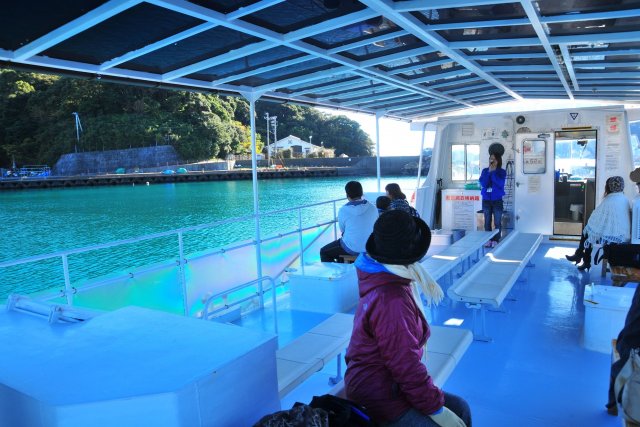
(37, 124)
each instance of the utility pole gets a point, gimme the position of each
(274, 123)
(266, 116)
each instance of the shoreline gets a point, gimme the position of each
(161, 178)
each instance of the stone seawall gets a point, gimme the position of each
(157, 159)
(101, 162)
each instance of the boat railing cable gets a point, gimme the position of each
(70, 290)
(151, 236)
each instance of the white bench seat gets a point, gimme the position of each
(311, 351)
(441, 264)
(445, 349)
(490, 280)
(450, 341)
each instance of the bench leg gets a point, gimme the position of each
(335, 380)
(482, 336)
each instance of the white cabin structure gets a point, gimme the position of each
(298, 147)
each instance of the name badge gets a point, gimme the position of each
(489, 190)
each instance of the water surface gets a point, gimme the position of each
(43, 221)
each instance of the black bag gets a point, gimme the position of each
(298, 416)
(620, 255)
(342, 412)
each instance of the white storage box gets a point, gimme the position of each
(324, 287)
(606, 308)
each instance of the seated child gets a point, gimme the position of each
(383, 203)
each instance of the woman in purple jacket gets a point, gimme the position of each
(492, 182)
(385, 359)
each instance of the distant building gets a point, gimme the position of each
(298, 147)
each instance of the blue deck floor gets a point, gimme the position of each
(535, 372)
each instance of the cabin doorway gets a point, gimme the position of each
(575, 178)
(534, 183)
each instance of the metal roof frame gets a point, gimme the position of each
(404, 59)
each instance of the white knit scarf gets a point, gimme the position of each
(610, 222)
(420, 278)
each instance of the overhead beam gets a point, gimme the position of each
(415, 5)
(236, 14)
(566, 56)
(541, 32)
(263, 69)
(414, 26)
(200, 12)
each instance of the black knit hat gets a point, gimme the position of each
(398, 238)
(496, 148)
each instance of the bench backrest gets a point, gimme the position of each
(445, 349)
(309, 353)
(491, 279)
(440, 264)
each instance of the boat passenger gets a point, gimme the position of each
(356, 220)
(492, 182)
(610, 222)
(386, 372)
(383, 203)
(628, 339)
(629, 336)
(399, 200)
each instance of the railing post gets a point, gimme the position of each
(301, 241)
(183, 277)
(68, 290)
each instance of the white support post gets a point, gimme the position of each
(378, 115)
(424, 129)
(183, 276)
(68, 290)
(252, 97)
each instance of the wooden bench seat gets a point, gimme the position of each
(311, 351)
(445, 349)
(489, 281)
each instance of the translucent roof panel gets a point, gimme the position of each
(554, 7)
(595, 26)
(19, 25)
(102, 42)
(292, 15)
(270, 58)
(377, 26)
(472, 13)
(201, 46)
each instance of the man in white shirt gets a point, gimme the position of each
(356, 220)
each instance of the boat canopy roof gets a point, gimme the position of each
(410, 59)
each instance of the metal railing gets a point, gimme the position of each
(69, 291)
(207, 315)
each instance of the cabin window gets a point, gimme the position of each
(465, 162)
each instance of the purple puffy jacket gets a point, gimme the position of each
(384, 368)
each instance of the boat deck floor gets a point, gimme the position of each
(535, 372)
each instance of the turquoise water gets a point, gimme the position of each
(38, 222)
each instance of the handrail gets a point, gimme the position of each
(205, 310)
(150, 236)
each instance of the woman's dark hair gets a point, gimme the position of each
(498, 158)
(394, 191)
